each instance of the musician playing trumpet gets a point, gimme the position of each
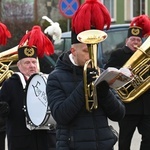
(78, 128)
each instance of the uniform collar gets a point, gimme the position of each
(128, 50)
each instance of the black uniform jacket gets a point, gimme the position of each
(19, 137)
(2, 122)
(78, 129)
(140, 105)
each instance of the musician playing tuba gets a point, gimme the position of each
(135, 96)
(80, 127)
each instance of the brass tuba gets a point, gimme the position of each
(91, 38)
(6, 59)
(139, 64)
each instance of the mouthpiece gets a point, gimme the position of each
(135, 46)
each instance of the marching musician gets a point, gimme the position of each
(34, 44)
(77, 128)
(137, 111)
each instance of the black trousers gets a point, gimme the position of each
(127, 127)
(51, 140)
(2, 140)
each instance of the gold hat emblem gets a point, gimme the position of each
(29, 51)
(135, 32)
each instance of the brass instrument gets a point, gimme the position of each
(91, 38)
(139, 64)
(6, 59)
(5, 72)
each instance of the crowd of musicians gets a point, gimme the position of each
(77, 112)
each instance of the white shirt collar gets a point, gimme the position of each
(72, 60)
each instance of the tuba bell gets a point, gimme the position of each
(139, 64)
(6, 59)
(91, 38)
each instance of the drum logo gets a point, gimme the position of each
(40, 93)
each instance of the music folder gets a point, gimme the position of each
(116, 78)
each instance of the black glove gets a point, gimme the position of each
(4, 109)
(91, 75)
(102, 89)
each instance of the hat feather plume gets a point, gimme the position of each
(142, 21)
(4, 34)
(37, 38)
(90, 14)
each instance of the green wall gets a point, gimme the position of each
(120, 11)
(149, 8)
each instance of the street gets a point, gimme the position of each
(135, 144)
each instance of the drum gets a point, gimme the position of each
(38, 114)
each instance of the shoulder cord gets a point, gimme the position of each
(22, 79)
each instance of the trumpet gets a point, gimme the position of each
(91, 38)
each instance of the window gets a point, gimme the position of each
(116, 39)
(138, 7)
(111, 6)
(134, 8)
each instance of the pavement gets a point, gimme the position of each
(135, 144)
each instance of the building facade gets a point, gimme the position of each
(123, 11)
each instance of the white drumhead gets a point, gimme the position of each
(36, 99)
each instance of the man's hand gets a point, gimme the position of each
(102, 89)
(91, 75)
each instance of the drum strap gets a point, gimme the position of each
(22, 79)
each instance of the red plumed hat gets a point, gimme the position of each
(143, 22)
(36, 39)
(4, 34)
(91, 14)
